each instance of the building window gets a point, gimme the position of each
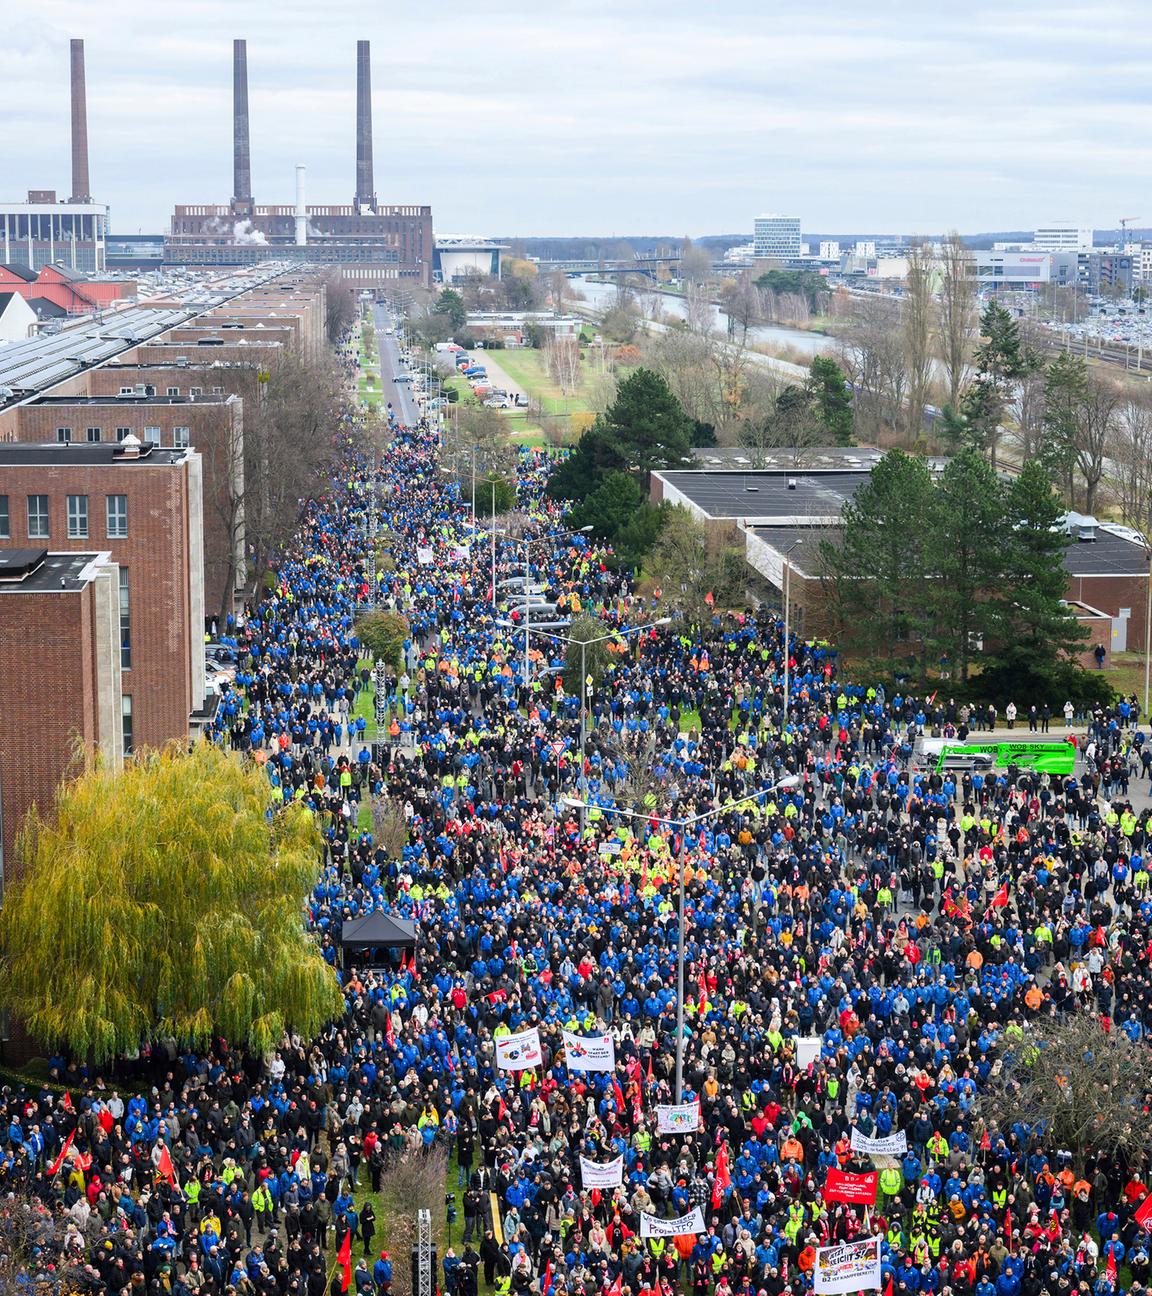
(125, 391)
(180, 438)
(94, 434)
(37, 517)
(64, 435)
(152, 436)
(173, 391)
(5, 520)
(217, 391)
(77, 517)
(125, 622)
(195, 391)
(117, 517)
(126, 722)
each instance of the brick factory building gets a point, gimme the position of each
(59, 640)
(212, 425)
(368, 243)
(144, 506)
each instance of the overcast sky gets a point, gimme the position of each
(604, 116)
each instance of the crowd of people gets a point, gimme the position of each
(911, 922)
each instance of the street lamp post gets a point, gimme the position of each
(789, 781)
(585, 644)
(1148, 634)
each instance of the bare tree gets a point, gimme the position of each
(916, 331)
(1083, 1087)
(740, 299)
(1027, 406)
(339, 306)
(1094, 433)
(958, 318)
(872, 356)
(1132, 459)
(287, 445)
(562, 356)
(695, 262)
(698, 311)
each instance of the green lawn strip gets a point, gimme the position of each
(529, 371)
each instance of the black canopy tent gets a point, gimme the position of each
(377, 931)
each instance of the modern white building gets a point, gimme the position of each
(829, 249)
(776, 237)
(865, 248)
(42, 232)
(1062, 237)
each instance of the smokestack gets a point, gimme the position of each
(241, 148)
(81, 185)
(365, 197)
(301, 210)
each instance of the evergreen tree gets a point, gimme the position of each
(1033, 628)
(577, 476)
(609, 507)
(1000, 359)
(965, 530)
(829, 388)
(879, 573)
(451, 305)
(646, 424)
(1065, 390)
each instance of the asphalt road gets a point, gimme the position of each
(400, 394)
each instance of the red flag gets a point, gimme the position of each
(1110, 1268)
(1000, 899)
(888, 1286)
(1008, 1225)
(54, 1168)
(389, 1034)
(344, 1260)
(1145, 1211)
(546, 1285)
(618, 1286)
(649, 1068)
(618, 1094)
(66, 1102)
(165, 1166)
(709, 599)
(412, 961)
(722, 1179)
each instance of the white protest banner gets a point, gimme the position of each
(652, 1226)
(595, 1175)
(589, 1052)
(424, 556)
(807, 1049)
(678, 1118)
(519, 1052)
(461, 553)
(852, 1267)
(894, 1145)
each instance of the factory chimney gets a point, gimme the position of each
(301, 210)
(241, 147)
(365, 196)
(81, 186)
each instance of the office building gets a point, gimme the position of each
(1062, 237)
(776, 238)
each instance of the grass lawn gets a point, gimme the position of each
(1126, 674)
(529, 370)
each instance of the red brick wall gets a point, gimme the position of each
(156, 555)
(46, 652)
(1111, 593)
(216, 429)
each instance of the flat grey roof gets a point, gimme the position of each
(805, 557)
(19, 454)
(1107, 555)
(58, 572)
(766, 494)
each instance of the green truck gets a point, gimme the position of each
(941, 754)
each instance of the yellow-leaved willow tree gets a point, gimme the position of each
(165, 900)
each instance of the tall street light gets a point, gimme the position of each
(584, 681)
(790, 781)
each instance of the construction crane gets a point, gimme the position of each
(1125, 221)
